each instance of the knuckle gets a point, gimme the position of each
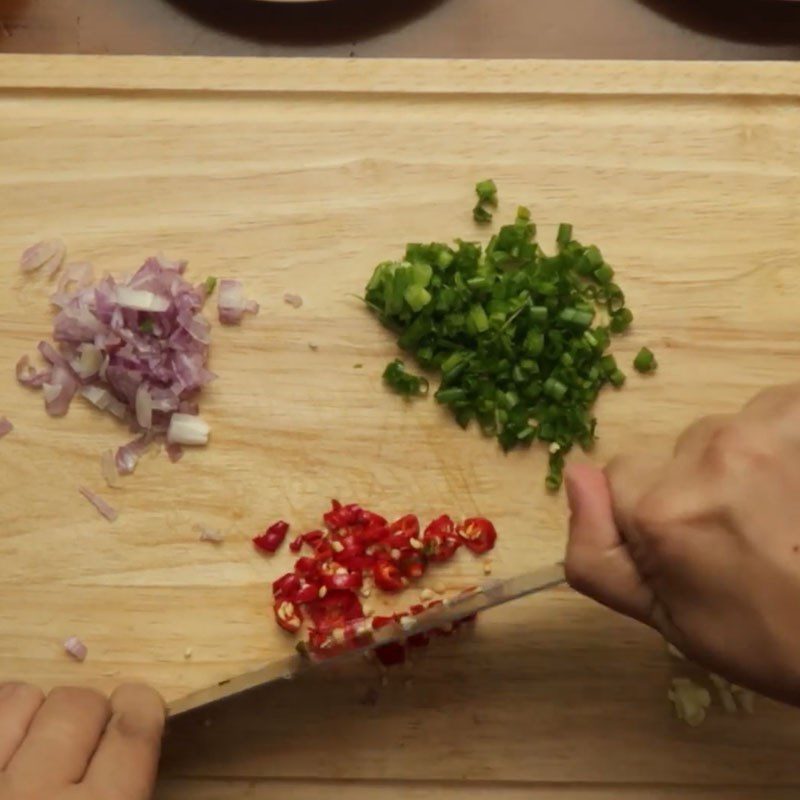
(733, 447)
(138, 711)
(578, 571)
(654, 514)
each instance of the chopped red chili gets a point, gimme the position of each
(356, 545)
(272, 538)
(335, 610)
(478, 534)
(288, 615)
(387, 576)
(440, 539)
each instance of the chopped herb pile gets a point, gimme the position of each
(520, 338)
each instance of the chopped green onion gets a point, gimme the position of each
(209, 284)
(487, 191)
(480, 214)
(403, 382)
(146, 325)
(645, 361)
(487, 195)
(564, 236)
(512, 331)
(417, 297)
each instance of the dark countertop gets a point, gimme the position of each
(661, 29)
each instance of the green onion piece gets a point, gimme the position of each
(645, 361)
(555, 388)
(403, 382)
(620, 320)
(478, 319)
(523, 214)
(616, 378)
(209, 285)
(604, 274)
(538, 313)
(146, 325)
(487, 191)
(480, 214)
(564, 236)
(417, 297)
(450, 396)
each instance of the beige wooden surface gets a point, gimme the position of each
(301, 176)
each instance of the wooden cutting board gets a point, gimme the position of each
(300, 176)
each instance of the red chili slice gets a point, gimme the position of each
(306, 566)
(307, 593)
(343, 580)
(286, 586)
(272, 538)
(403, 530)
(288, 615)
(323, 550)
(387, 576)
(335, 610)
(440, 539)
(412, 564)
(296, 544)
(478, 534)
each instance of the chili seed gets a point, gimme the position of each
(323, 590)
(416, 544)
(395, 554)
(426, 594)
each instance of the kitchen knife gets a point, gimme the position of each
(469, 602)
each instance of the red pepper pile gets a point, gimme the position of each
(357, 546)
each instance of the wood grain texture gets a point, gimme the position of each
(304, 790)
(301, 176)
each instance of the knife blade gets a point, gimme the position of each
(480, 598)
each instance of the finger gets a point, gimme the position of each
(126, 760)
(598, 563)
(19, 703)
(61, 739)
(693, 441)
(629, 479)
(774, 400)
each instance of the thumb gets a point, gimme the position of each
(598, 563)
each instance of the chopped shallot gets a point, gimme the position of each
(129, 454)
(76, 648)
(187, 429)
(5, 427)
(108, 467)
(174, 452)
(209, 534)
(101, 505)
(231, 302)
(135, 348)
(294, 300)
(49, 253)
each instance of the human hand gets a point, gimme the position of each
(76, 744)
(704, 544)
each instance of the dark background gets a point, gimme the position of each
(680, 29)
